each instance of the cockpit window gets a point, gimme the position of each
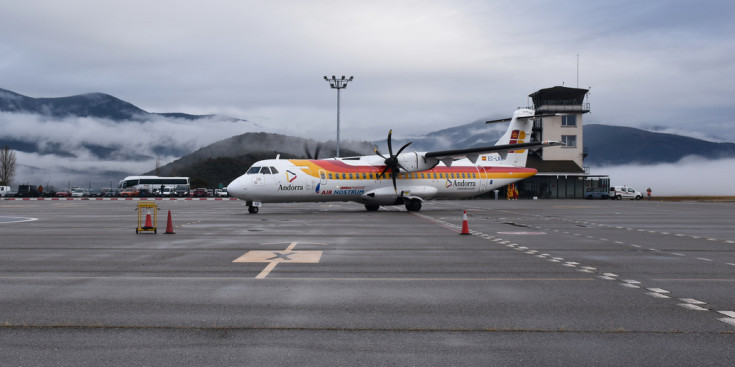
(274, 170)
(253, 170)
(265, 170)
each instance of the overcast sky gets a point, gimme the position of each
(418, 65)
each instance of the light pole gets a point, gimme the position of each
(338, 84)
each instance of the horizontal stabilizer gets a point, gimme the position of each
(521, 118)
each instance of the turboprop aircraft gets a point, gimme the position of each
(398, 179)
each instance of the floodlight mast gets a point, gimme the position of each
(336, 83)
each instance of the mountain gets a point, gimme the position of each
(617, 145)
(474, 134)
(225, 160)
(95, 105)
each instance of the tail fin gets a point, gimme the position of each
(519, 131)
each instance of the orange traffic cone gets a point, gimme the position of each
(148, 222)
(465, 225)
(169, 225)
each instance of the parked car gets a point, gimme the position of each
(181, 191)
(26, 191)
(49, 191)
(63, 194)
(129, 192)
(624, 192)
(596, 195)
(111, 193)
(167, 191)
(199, 193)
(221, 192)
(95, 193)
(144, 193)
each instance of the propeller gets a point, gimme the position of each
(316, 150)
(391, 162)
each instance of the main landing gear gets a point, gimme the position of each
(372, 207)
(413, 205)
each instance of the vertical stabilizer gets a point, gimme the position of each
(519, 131)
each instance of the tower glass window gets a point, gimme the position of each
(569, 120)
(570, 141)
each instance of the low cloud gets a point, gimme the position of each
(81, 151)
(690, 176)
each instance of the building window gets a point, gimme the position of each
(570, 141)
(569, 120)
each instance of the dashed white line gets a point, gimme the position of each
(704, 259)
(728, 313)
(657, 295)
(692, 307)
(692, 301)
(728, 320)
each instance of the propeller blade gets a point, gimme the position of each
(378, 153)
(382, 174)
(390, 146)
(395, 187)
(306, 150)
(403, 147)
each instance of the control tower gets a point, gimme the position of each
(563, 108)
(561, 172)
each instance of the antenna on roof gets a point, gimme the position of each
(577, 70)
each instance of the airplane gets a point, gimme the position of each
(398, 179)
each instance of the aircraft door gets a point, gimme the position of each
(310, 181)
(483, 180)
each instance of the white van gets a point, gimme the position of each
(624, 192)
(4, 190)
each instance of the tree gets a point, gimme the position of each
(7, 165)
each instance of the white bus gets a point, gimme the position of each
(153, 183)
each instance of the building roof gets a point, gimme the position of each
(558, 96)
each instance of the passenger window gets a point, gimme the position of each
(350, 176)
(322, 175)
(274, 170)
(265, 171)
(330, 176)
(344, 176)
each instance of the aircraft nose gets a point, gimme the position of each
(236, 188)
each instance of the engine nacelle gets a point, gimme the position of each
(414, 162)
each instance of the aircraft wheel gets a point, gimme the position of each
(253, 209)
(413, 205)
(372, 207)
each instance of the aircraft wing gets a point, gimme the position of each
(473, 153)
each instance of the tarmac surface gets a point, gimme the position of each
(547, 282)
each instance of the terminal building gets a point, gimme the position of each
(561, 170)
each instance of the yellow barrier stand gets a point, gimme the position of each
(146, 223)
